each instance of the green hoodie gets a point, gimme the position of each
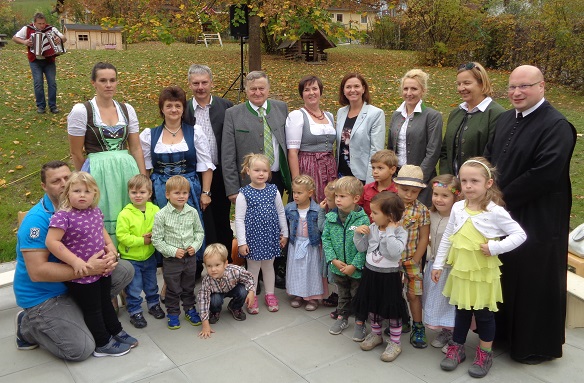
(337, 240)
(131, 226)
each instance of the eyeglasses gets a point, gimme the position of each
(511, 88)
(467, 66)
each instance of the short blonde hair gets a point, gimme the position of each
(349, 185)
(250, 159)
(140, 181)
(385, 156)
(419, 75)
(304, 180)
(79, 178)
(177, 183)
(215, 249)
(480, 74)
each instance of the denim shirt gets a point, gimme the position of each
(311, 219)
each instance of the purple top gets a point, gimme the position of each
(83, 234)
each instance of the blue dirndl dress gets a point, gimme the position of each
(166, 165)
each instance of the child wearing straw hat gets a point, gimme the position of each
(416, 221)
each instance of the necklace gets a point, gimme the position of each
(171, 132)
(314, 115)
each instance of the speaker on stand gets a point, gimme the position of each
(238, 27)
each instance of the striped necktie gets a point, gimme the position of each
(268, 145)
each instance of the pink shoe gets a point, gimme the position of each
(272, 302)
(254, 309)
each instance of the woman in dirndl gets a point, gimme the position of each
(108, 132)
(177, 148)
(310, 138)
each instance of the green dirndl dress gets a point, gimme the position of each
(475, 279)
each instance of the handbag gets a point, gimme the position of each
(576, 241)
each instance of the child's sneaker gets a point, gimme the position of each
(339, 325)
(254, 308)
(442, 339)
(156, 311)
(193, 317)
(391, 352)
(238, 315)
(482, 363)
(371, 341)
(173, 322)
(214, 318)
(112, 348)
(418, 336)
(406, 327)
(334, 314)
(360, 332)
(454, 356)
(138, 320)
(22, 344)
(271, 302)
(124, 337)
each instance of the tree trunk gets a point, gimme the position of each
(254, 42)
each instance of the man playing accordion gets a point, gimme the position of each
(42, 59)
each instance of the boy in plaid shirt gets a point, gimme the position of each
(416, 221)
(222, 280)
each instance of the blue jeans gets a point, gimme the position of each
(49, 69)
(238, 293)
(144, 280)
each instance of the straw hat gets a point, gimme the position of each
(410, 175)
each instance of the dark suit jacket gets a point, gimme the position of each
(243, 134)
(216, 115)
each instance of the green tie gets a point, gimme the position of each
(268, 145)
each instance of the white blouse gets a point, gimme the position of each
(77, 119)
(201, 143)
(295, 124)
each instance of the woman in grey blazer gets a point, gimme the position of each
(360, 128)
(415, 133)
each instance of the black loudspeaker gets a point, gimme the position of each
(242, 29)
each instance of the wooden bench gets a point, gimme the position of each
(208, 37)
(576, 263)
(575, 301)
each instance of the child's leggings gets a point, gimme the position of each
(484, 318)
(268, 274)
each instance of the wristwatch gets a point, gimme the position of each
(207, 193)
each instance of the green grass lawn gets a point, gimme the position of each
(29, 140)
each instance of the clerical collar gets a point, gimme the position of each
(532, 109)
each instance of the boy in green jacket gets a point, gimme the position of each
(134, 232)
(345, 262)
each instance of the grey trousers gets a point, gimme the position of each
(57, 324)
(179, 276)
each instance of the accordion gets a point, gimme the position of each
(43, 44)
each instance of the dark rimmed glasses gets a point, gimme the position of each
(467, 66)
(511, 88)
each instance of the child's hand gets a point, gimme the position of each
(338, 264)
(363, 229)
(249, 299)
(147, 238)
(436, 275)
(323, 204)
(180, 253)
(80, 267)
(485, 249)
(191, 250)
(206, 331)
(243, 249)
(348, 270)
(283, 241)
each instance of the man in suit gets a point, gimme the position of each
(243, 132)
(209, 113)
(531, 148)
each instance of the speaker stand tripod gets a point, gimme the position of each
(241, 75)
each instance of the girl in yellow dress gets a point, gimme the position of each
(471, 243)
